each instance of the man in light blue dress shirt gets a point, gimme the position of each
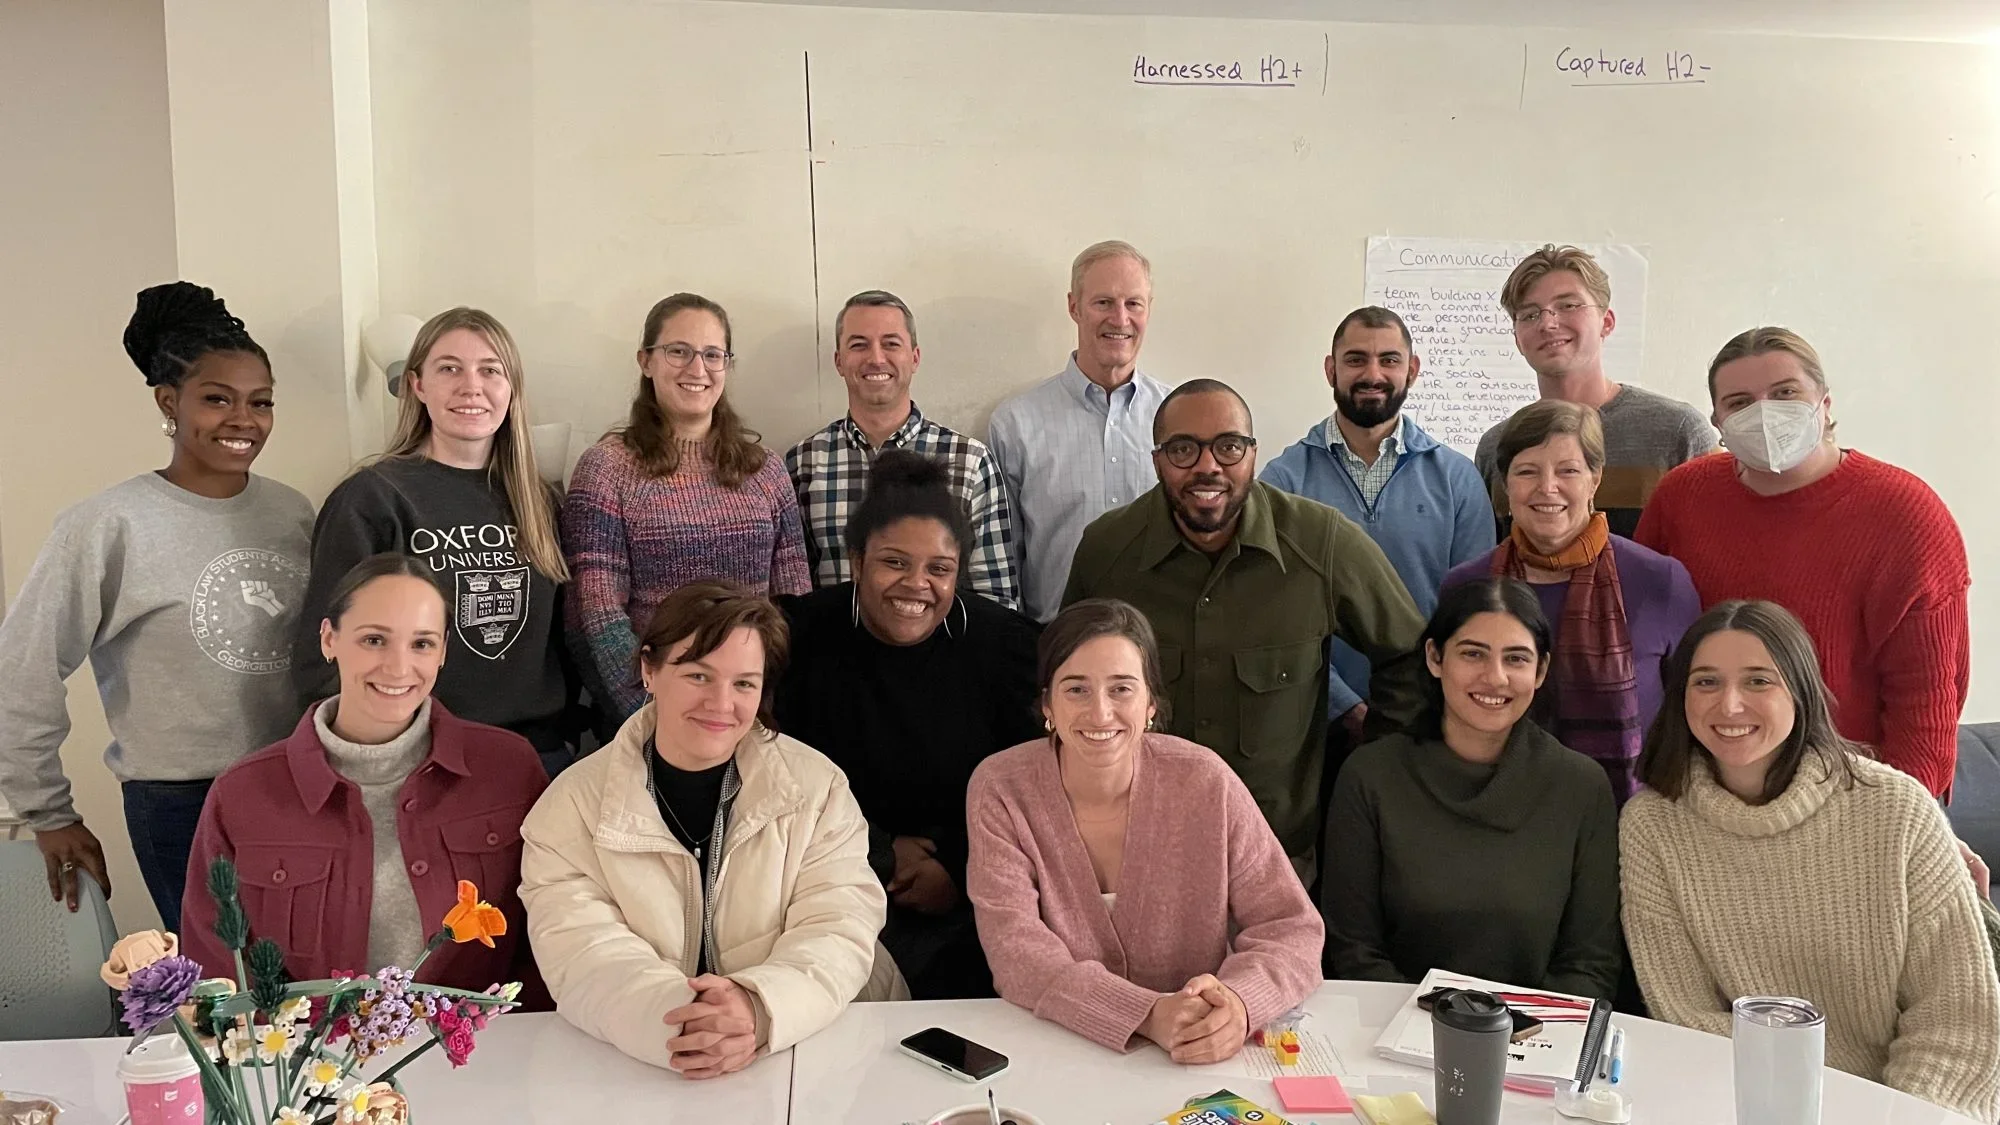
(1079, 444)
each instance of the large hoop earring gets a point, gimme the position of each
(964, 618)
(854, 606)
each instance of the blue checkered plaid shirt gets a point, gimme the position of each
(830, 472)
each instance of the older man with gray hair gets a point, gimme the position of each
(1079, 444)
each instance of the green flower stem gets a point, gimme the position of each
(242, 1092)
(250, 1033)
(390, 1074)
(215, 1089)
(430, 947)
(240, 1002)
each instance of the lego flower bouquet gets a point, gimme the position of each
(271, 1051)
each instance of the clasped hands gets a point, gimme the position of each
(718, 1030)
(1204, 1022)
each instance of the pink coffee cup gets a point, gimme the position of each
(162, 1083)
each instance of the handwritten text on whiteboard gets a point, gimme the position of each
(1584, 66)
(1267, 71)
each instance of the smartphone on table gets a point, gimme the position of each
(954, 1054)
(1525, 1025)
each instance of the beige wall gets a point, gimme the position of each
(86, 220)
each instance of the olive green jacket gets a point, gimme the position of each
(1243, 637)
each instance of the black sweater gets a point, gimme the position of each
(505, 663)
(908, 724)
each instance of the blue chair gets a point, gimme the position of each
(49, 987)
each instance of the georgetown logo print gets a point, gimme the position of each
(242, 609)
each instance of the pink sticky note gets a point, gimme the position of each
(1312, 1095)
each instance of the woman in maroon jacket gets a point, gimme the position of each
(350, 837)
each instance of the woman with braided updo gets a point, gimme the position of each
(180, 586)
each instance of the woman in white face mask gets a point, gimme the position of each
(1864, 553)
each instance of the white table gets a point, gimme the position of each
(527, 1068)
(852, 1073)
(536, 1068)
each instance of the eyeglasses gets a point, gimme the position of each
(682, 355)
(1532, 315)
(1183, 452)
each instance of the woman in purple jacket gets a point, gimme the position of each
(351, 836)
(1618, 608)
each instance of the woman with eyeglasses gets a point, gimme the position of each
(1618, 607)
(683, 492)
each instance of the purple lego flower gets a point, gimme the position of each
(156, 991)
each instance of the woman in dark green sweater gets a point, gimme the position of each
(1482, 845)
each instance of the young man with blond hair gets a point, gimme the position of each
(1560, 302)
(1079, 444)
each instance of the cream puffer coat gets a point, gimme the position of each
(614, 908)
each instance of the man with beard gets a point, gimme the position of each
(1423, 503)
(1244, 583)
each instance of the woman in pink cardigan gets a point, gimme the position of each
(1116, 953)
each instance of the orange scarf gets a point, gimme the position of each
(1591, 700)
(1581, 552)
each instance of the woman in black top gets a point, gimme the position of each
(907, 685)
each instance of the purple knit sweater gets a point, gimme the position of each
(632, 539)
(1198, 854)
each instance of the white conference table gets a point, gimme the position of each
(852, 1073)
(536, 1069)
(528, 1067)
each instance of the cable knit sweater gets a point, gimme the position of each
(1205, 888)
(632, 539)
(1871, 561)
(1852, 898)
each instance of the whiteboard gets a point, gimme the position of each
(1471, 376)
(781, 158)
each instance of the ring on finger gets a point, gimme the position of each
(68, 867)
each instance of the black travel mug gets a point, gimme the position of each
(1469, 1034)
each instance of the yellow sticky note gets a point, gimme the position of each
(1402, 1109)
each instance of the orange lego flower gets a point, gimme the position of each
(473, 920)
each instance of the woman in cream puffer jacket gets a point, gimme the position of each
(615, 911)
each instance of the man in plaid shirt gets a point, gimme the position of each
(875, 351)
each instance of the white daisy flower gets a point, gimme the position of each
(277, 1041)
(237, 1046)
(295, 1009)
(354, 1105)
(291, 1116)
(322, 1075)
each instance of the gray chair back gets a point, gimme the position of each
(49, 987)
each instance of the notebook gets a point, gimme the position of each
(1561, 1056)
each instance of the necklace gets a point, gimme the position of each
(653, 788)
(702, 844)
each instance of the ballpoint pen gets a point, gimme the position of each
(1617, 1055)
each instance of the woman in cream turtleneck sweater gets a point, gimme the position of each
(1770, 856)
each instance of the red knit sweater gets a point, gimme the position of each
(1871, 561)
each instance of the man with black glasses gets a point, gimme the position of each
(1243, 584)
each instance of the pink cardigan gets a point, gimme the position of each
(1199, 857)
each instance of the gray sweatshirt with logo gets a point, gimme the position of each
(185, 607)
